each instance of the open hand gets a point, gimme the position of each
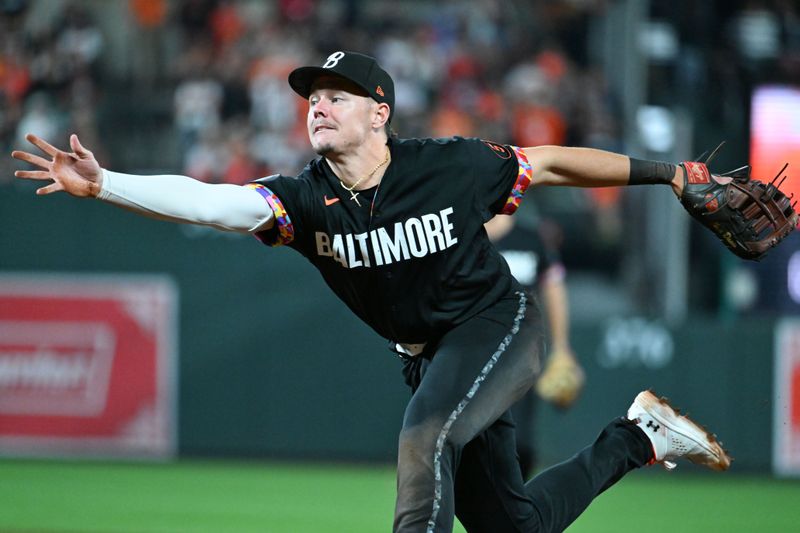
(76, 173)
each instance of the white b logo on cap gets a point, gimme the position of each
(333, 59)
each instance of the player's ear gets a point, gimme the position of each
(380, 115)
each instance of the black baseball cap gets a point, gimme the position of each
(361, 69)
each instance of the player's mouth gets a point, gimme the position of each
(322, 127)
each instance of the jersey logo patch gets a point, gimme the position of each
(330, 201)
(499, 150)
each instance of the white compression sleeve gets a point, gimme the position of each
(182, 199)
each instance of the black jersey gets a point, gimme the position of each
(530, 258)
(415, 260)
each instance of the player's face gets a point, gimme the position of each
(339, 116)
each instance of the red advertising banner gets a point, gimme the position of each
(786, 429)
(88, 366)
(775, 134)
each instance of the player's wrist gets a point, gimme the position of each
(678, 180)
(561, 349)
(100, 188)
(644, 172)
(95, 187)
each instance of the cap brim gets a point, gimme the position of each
(301, 79)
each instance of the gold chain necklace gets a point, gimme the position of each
(354, 195)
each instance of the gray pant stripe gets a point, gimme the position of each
(437, 454)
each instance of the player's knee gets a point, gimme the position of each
(420, 442)
(419, 439)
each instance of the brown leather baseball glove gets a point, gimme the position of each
(747, 215)
(562, 380)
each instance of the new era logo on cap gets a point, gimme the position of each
(361, 69)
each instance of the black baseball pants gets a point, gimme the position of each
(457, 452)
(524, 412)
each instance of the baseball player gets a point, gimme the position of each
(395, 227)
(536, 264)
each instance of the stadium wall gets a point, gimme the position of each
(272, 365)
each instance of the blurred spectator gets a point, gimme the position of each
(15, 78)
(756, 32)
(80, 41)
(536, 120)
(274, 104)
(149, 17)
(241, 167)
(198, 97)
(449, 120)
(226, 24)
(207, 157)
(40, 117)
(194, 19)
(413, 63)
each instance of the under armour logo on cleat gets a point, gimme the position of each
(655, 427)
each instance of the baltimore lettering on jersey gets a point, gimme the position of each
(416, 237)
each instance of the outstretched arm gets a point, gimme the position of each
(563, 377)
(589, 167)
(748, 215)
(554, 293)
(172, 198)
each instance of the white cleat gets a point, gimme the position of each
(673, 435)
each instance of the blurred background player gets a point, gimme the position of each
(533, 257)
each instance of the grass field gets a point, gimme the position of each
(190, 496)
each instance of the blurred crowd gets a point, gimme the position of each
(48, 74)
(466, 68)
(460, 68)
(522, 72)
(518, 72)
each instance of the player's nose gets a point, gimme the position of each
(319, 109)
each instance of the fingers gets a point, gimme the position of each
(31, 158)
(42, 145)
(77, 147)
(33, 174)
(49, 189)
